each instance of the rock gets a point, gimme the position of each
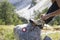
(47, 38)
(27, 32)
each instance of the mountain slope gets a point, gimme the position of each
(28, 13)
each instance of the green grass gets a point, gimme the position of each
(6, 32)
(55, 26)
(53, 36)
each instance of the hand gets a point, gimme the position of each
(44, 17)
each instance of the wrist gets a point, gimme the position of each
(49, 15)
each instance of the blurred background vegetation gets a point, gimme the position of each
(8, 15)
(8, 19)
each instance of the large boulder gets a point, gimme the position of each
(27, 32)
